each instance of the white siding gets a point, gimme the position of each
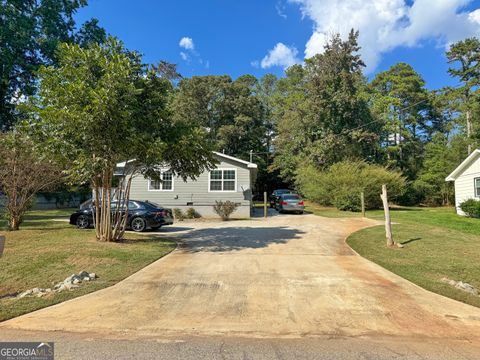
(464, 184)
(197, 192)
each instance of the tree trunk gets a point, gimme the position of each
(14, 223)
(103, 218)
(469, 130)
(96, 218)
(121, 214)
(388, 223)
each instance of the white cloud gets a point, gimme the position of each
(280, 55)
(183, 56)
(387, 24)
(280, 7)
(255, 64)
(474, 16)
(186, 43)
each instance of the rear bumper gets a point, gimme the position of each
(168, 221)
(155, 222)
(292, 208)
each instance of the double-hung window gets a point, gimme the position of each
(165, 185)
(477, 187)
(223, 180)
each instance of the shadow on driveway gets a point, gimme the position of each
(236, 238)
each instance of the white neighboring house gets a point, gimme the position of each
(232, 179)
(467, 180)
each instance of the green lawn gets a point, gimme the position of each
(46, 251)
(437, 243)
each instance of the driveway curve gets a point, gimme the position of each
(286, 276)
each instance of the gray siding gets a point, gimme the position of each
(197, 192)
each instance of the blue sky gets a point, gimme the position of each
(233, 37)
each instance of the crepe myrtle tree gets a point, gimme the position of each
(100, 106)
(24, 171)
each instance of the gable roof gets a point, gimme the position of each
(465, 163)
(228, 157)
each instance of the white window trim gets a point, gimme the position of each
(475, 187)
(161, 183)
(222, 191)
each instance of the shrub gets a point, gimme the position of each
(225, 208)
(342, 183)
(178, 214)
(471, 208)
(191, 213)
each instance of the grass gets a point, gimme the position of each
(444, 217)
(46, 251)
(429, 254)
(437, 243)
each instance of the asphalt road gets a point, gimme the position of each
(98, 347)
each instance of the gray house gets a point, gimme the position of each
(232, 179)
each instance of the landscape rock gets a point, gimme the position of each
(83, 274)
(69, 283)
(462, 286)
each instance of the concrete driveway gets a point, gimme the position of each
(287, 276)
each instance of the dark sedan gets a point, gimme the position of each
(141, 216)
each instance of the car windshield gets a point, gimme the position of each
(290, 197)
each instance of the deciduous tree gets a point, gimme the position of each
(30, 31)
(101, 106)
(24, 171)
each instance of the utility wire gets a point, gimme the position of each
(345, 132)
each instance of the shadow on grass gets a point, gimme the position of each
(410, 241)
(45, 217)
(145, 240)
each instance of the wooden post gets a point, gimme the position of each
(265, 209)
(388, 223)
(362, 200)
(2, 244)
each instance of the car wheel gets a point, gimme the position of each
(138, 224)
(300, 212)
(82, 222)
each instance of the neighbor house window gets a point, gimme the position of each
(165, 185)
(223, 180)
(477, 187)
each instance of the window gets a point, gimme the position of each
(131, 205)
(165, 185)
(223, 180)
(477, 187)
